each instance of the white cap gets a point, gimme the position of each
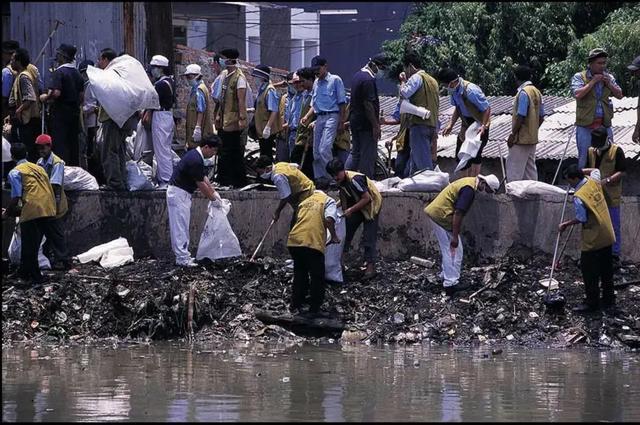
(159, 60)
(491, 180)
(192, 69)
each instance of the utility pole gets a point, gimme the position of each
(128, 19)
(159, 31)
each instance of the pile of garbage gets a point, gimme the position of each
(405, 303)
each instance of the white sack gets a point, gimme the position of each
(15, 247)
(6, 150)
(123, 88)
(333, 252)
(426, 181)
(217, 239)
(117, 257)
(388, 185)
(95, 253)
(470, 146)
(142, 142)
(76, 178)
(524, 188)
(136, 178)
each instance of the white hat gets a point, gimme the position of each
(159, 60)
(192, 69)
(491, 180)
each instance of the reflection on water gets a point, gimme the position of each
(253, 382)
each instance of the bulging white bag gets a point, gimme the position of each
(388, 185)
(15, 252)
(117, 257)
(333, 252)
(123, 88)
(525, 188)
(136, 178)
(217, 239)
(95, 253)
(426, 181)
(76, 178)
(6, 150)
(142, 142)
(470, 146)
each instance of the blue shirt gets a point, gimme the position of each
(201, 103)
(7, 81)
(15, 180)
(294, 107)
(55, 172)
(411, 86)
(578, 83)
(474, 95)
(523, 101)
(396, 112)
(188, 171)
(328, 94)
(581, 209)
(273, 98)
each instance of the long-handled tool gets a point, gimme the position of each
(564, 153)
(564, 246)
(262, 240)
(504, 174)
(555, 300)
(304, 154)
(55, 28)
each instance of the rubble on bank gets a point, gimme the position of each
(404, 304)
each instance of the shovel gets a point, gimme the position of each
(262, 240)
(556, 300)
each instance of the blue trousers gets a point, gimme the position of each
(363, 153)
(614, 212)
(583, 142)
(420, 137)
(324, 134)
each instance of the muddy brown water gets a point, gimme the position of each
(254, 382)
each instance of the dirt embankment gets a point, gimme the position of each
(405, 303)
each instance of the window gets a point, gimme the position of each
(297, 55)
(254, 50)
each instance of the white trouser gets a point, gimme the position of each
(162, 136)
(179, 208)
(450, 267)
(521, 163)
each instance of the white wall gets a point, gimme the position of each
(305, 37)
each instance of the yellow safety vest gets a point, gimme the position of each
(192, 116)
(301, 186)
(38, 199)
(343, 138)
(371, 210)
(612, 192)
(262, 113)
(304, 135)
(441, 209)
(471, 108)
(597, 232)
(32, 111)
(586, 107)
(428, 98)
(400, 138)
(230, 108)
(528, 133)
(309, 230)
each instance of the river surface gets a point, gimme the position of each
(255, 382)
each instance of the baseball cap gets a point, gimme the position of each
(597, 53)
(380, 59)
(193, 69)
(67, 50)
(261, 71)
(491, 180)
(159, 60)
(635, 65)
(43, 139)
(318, 61)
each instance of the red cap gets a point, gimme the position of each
(43, 139)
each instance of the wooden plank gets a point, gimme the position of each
(286, 319)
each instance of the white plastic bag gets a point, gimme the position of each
(6, 150)
(388, 185)
(123, 88)
(217, 239)
(136, 178)
(76, 178)
(333, 252)
(426, 181)
(117, 257)
(95, 253)
(470, 147)
(525, 188)
(142, 142)
(15, 252)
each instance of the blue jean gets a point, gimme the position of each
(614, 212)
(403, 164)
(292, 139)
(363, 153)
(342, 155)
(583, 142)
(420, 137)
(324, 134)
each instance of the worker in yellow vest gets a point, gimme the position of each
(30, 186)
(593, 89)
(293, 186)
(608, 158)
(597, 239)
(199, 119)
(54, 167)
(267, 117)
(23, 101)
(446, 213)
(401, 139)
(303, 145)
(306, 244)
(526, 118)
(361, 202)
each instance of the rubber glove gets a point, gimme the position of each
(197, 134)
(266, 132)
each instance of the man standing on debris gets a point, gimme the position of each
(361, 201)
(328, 102)
(9, 47)
(30, 185)
(54, 167)
(90, 125)
(597, 239)
(65, 93)
(592, 89)
(526, 118)
(364, 117)
(635, 70)
(23, 102)
(188, 175)
(231, 120)
(199, 119)
(295, 95)
(471, 106)
(267, 118)
(306, 244)
(608, 158)
(162, 120)
(293, 186)
(421, 89)
(303, 150)
(446, 213)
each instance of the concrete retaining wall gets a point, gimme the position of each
(494, 226)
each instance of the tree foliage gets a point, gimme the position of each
(484, 41)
